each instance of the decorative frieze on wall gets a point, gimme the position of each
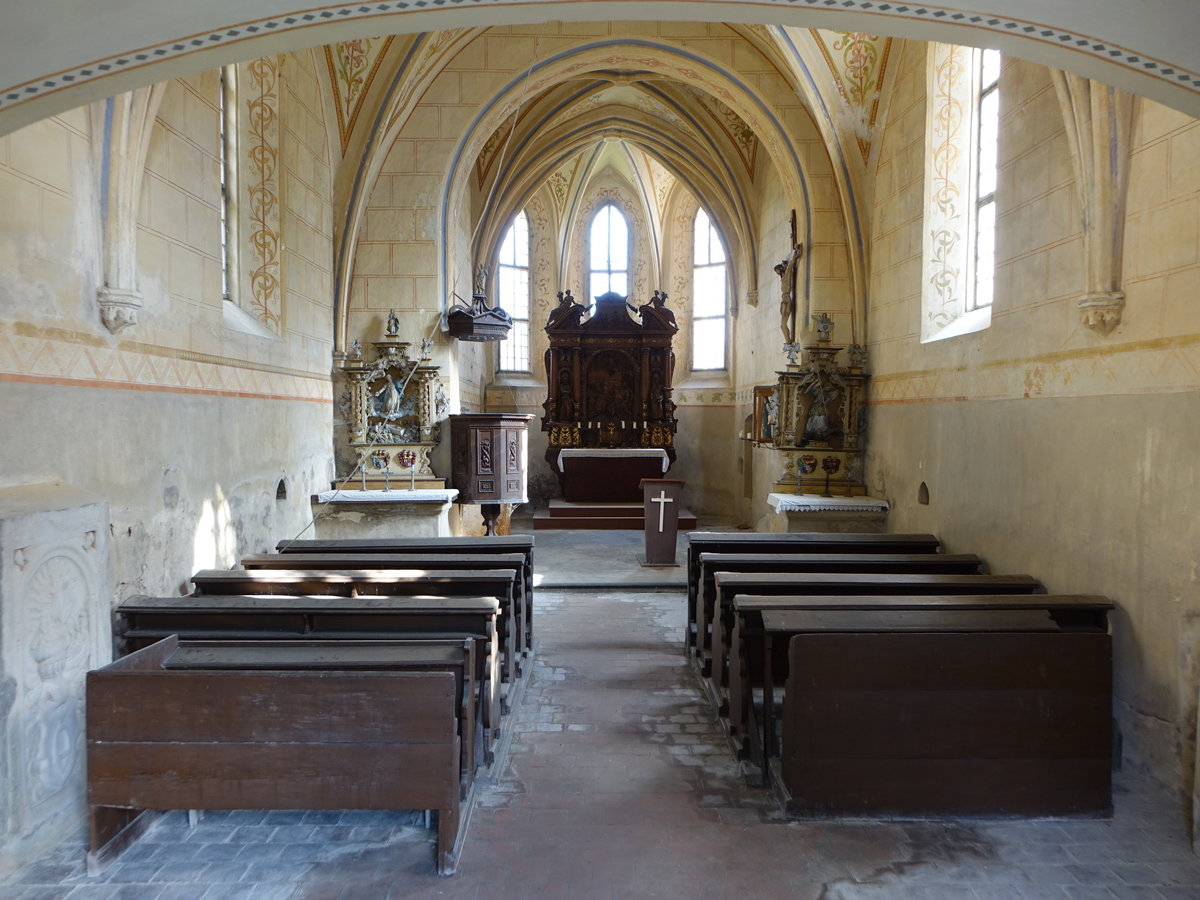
(261, 166)
(947, 168)
(54, 359)
(55, 627)
(1099, 122)
(353, 66)
(1153, 366)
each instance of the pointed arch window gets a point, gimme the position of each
(710, 296)
(608, 252)
(512, 294)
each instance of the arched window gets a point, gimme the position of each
(962, 137)
(512, 294)
(709, 296)
(608, 253)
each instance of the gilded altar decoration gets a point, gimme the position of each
(820, 414)
(394, 405)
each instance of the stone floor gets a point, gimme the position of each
(618, 783)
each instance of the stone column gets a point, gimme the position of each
(1099, 122)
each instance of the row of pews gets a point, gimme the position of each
(355, 674)
(872, 674)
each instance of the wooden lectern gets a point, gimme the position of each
(662, 497)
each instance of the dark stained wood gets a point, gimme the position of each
(498, 583)
(289, 739)
(748, 655)
(415, 560)
(948, 724)
(142, 621)
(711, 563)
(508, 543)
(727, 584)
(795, 542)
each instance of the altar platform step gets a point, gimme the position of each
(563, 514)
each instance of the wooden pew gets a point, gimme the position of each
(500, 543)
(498, 583)
(758, 655)
(422, 561)
(711, 563)
(946, 719)
(800, 542)
(232, 736)
(142, 621)
(727, 584)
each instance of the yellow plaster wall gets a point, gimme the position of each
(1045, 447)
(184, 426)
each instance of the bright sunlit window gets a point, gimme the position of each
(608, 253)
(512, 294)
(709, 296)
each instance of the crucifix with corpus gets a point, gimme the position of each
(786, 270)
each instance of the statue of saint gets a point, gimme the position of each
(393, 324)
(566, 310)
(481, 275)
(656, 308)
(824, 325)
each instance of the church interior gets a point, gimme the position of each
(980, 234)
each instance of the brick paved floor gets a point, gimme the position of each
(619, 784)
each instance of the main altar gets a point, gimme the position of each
(609, 416)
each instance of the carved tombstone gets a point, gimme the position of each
(55, 627)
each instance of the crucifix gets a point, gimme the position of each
(786, 271)
(662, 500)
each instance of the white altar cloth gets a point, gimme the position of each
(613, 453)
(812, 512)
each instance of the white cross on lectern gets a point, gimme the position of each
(662, 500)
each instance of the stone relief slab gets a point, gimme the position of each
(54, 627)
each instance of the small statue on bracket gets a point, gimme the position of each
(393, 324)
(823, 323)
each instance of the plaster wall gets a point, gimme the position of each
(1045, 447)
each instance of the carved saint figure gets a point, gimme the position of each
(824, 325)
(656, 308)
(389, 399)
(393, 324)
(481, 275)
(566, 311)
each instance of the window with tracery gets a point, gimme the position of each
(710, 300)
(512, 294)
(608, 252)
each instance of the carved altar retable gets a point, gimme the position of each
(608, 385)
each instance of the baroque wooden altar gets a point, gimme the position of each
(608, 376)
(395, 404)
(821, 422)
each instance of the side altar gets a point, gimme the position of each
(395, 407)
(609, 415)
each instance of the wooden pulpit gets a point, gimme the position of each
(662, 497)
(488, 461)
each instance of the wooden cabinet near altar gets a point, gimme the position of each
(489, 453)
(608, 395)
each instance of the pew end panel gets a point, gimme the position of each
(974, 724)
(324, 738)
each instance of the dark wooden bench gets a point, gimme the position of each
(758, 655)
(805, 542)
(711, 563)
(425, 561)
(944, 717)
(142, 621)
(728, 584)
(498, 583)
(236, 736)
(500, 544)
